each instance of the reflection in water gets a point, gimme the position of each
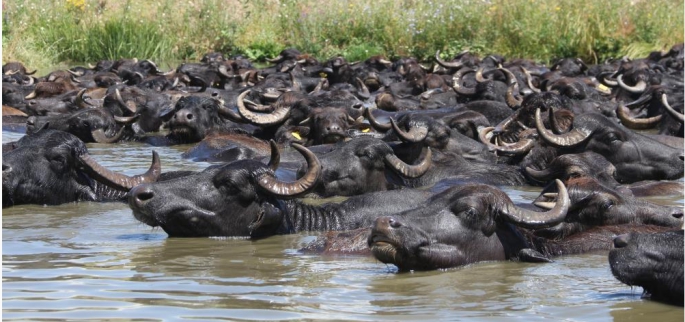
(94, 260)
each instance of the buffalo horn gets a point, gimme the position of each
(275, 117)
(676, 115)
(130, 108)
(414, 135)
(571, 138)
(522, 146)
(636, 123)
(533, 219)
(275, 158)
(120, 181)
(99, 136)
(374, 123)
(275, 59)
(529, 80)
(458, 86)
(80, 101)
(270, 183)
(638, 88)
(408, 170)
(446, 64)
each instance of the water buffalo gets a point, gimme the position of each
(461, 225)
(635, 156)
(593, 204)
(653, 261)
(245, 198)
(53, 167)
(364, 165)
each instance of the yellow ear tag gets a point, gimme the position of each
(603, 88)
(296, 135)
(366, 130)
(323, 75)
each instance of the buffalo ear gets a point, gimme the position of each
(236, 183)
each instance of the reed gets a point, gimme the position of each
(46, 33)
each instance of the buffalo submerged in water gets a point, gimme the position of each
(450, 136)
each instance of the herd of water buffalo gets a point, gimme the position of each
(420, 150)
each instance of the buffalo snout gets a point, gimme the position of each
(184, 116)
(140, 195)
(621, 241)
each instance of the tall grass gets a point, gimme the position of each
(43, 33)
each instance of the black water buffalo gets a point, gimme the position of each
(89, 125)
(652, 261)
(635, 156)
(194, 117)
(364, 165)
(461, 225)
(53, 167)
(593, 165)
(245, 198)
(593, 204)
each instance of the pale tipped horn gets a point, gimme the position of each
(273, 185)
(120, 181)
(532, 219)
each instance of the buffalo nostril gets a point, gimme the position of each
(677, 215)
(6, 168)
(681, 157)
(189, 117)
(141, 194)
(394, 223)
(621, 241)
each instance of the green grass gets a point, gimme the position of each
(46, 33)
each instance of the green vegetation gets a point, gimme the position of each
(47, 33)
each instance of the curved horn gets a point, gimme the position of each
(571, 138)
(31, 95)
(374, 123)
(446, 64)
(120, 181)
(479, 75)
(258, 107)
(458, 87)
(520, 147)
(512, 89)
(408, 170)
(275, 59)
(120, 100)
(74, 73)
(676, 115)
(277, 116)
(540, 175)
(270, 183)
(533, 219)
(644, 98)
(30, 81)
(636, 123)
(126, 119)
(99, 136)
(415, 134)
(363, 90)
(275, 158)
(606, 79)
(638, 88)
(81, 102)
(529, 80)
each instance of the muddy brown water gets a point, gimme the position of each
(94, 261)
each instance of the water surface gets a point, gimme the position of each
(95, 261)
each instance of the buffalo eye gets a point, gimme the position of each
(58, 161)
(612, 138)
(607, 205)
